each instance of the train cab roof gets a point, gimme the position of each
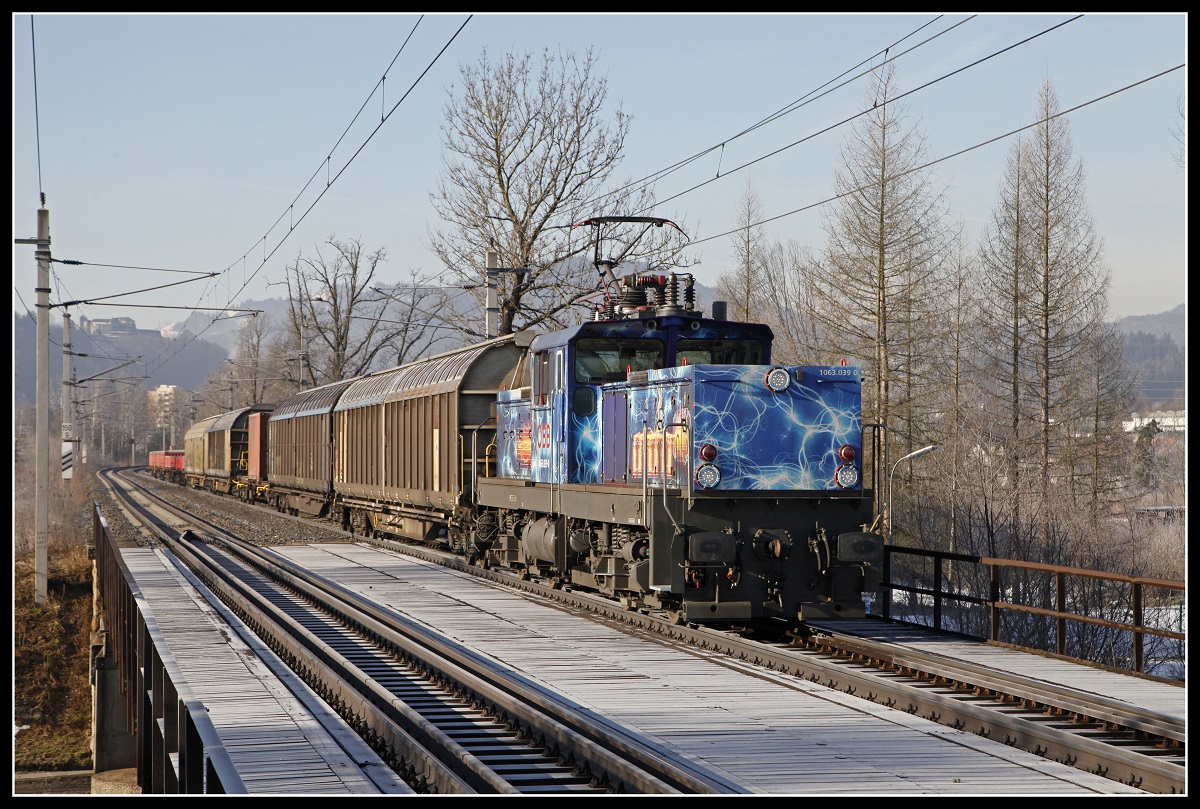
(669, 326)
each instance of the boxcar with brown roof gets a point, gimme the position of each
(410, 442)
(300, 451)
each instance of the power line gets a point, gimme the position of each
(73, 262)
(134, 292)
(861, 113)
(37, 126)
(799, 103)
(325, 164)
(923, 166)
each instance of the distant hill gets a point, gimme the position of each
(165, 361)
(222, 331)
(1156, 349)
(1171, 324)
(1156, 353)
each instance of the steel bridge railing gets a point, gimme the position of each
(162, 725)
(941, 589)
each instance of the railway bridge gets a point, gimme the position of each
(194, 701)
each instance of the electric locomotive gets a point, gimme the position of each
(652, 454)
(658, 456)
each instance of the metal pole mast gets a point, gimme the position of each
(68, 409)
(303, 351)
(42, 428)
(491, 326)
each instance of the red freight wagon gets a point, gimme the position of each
(167, 465)
(257, 465)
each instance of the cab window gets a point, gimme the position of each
(719, 352)
(601, 360)
(542, 376)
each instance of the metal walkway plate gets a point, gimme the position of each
(780, 734)
(273, 737)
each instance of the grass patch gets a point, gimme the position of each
(52, 695)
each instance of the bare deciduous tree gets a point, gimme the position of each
(1069, 280)
(956, 424)
(878, 281)
(1179, 132)
(345, 324)
(264, 368)
(1106, 394)
(528, 148)
(1004, 340)
(787, 274)
(743, 287)
(1065, 390)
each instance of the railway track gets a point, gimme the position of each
(1137, 747)
(1105, 737)
(448, 720)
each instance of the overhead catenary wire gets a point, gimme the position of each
(799, 103)
(37, 125)
(353, 156)
(167, 355)
(861, 113)
(950, 156)
(329, 182)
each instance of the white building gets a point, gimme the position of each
(1169, 421)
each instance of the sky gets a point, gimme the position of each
(231, 144)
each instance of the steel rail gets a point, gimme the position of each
(1028, 729)
(1029, 732)
(616, 755)
(1051, 695)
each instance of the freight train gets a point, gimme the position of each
(653, 454)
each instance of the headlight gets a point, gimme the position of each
(846, 476)
(778, 379)
(708, 476)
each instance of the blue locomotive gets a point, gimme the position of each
(652, 454)
(658, 456)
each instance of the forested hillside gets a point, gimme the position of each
(183, 361)
(1156, 354)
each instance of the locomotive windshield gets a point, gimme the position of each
(599, 360)
(719, 352)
